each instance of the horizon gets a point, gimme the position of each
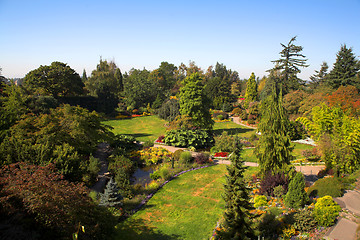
(244, 36)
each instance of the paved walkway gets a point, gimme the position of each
(347, 225)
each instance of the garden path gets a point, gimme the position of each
(102, 153)
(237, 121)
(347, 225)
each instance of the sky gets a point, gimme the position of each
(244, 35)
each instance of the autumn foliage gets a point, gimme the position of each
(54, 206)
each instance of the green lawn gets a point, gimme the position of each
(142, 128)
(186, 208)
(232, 128)
(249, 156)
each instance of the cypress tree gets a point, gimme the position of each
(251, 93)
(296, 196)
(237, 224)
(111, 196)
(274, 147)
(345, 69)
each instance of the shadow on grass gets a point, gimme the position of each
(232, 131)
(135, 229)
(137, 135)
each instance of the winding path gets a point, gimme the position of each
(102, 153)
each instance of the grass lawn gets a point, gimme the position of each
(249, 156)
(188, 207)
(142, 128)
(232, 128)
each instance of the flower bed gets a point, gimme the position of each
(160, 140)
(222, 155)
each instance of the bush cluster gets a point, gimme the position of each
(327, 186)
(189, 138)
(326, 211)
(270, 181)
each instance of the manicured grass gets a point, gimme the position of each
(249, 156)
(142, 128)
(232, 128)
(186, 208)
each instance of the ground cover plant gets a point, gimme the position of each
(188, 207)
(142, 128)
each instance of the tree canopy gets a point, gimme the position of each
(58, 79)
(289, 64)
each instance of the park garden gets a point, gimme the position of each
(177, 143)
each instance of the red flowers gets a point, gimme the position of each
(160, 139)
(221, 154)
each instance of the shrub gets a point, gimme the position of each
(260, 201)
(236, 112)
(252, 117)
(189, 138)
(269, 226)
(155, 175)
(326, 186)
(227, 107)
(326, 211)
(220, 117)
(177, 154)
(185, 158)
(296, 131)
(169, 110)
(223, 115)
(224, 143)
(243, 115)
(154, 155)
(251, 121)
(123, 163)
(270, 181)
(296, 196)
(202, 158)
(311, 154)
(304, 220)
(278, 191)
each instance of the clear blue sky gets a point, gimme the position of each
(243, 35)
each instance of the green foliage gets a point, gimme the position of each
(117, 162)
(177, 154)
(274, 147)
(344, 70)
(296, 130)
(319, 77)
(111, 196)
(251, 91)
(162, 173)
(224, 143)
(193, 102)
(304, 220)
(296, 196)
(330, 186)
(326, 211)
(279, 191)
(189, 138)
(51, 206)
(65, 137)
(237, 224)
(290, 61)
(169, 110)
(185, 158)
(260, 201)
(58, 79)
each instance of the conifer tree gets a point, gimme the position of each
(274, 147)
(296, 196)
(237, 224)
(193, 102)
(345, 69)
(289, 63)
(111, 196)
(319, 77)
(251, 93)
(84, 77)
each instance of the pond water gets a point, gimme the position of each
(142, 175)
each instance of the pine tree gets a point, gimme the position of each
(111, 196)
(289, 63)
(84, 77)
(193, 102)
(237, 224)
(274, 147)
(345, 69)
(319, 77)
(296, 196)
(251, 93)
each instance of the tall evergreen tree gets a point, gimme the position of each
(251, 93)
(345, 69)
(290, 61)
(111, 196)
(84, 77)
(274, 147)
(319, 77)
(193, 102)
(237, 224)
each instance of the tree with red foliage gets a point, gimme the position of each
(40, 196)
(347, 98)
